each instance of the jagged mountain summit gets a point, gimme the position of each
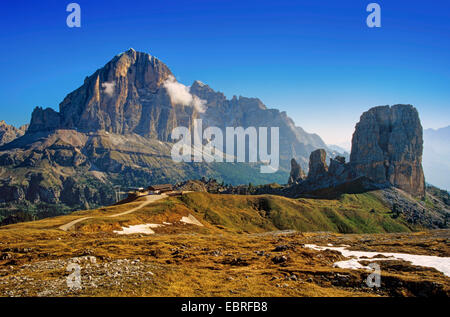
(9, 133)
(126, 96)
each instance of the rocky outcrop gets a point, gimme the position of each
(44, 120)
(337, 167)
(318, 167)
(328, 181)
(387, 147)
(297, 174)
(9, 133)
(386, 151)
(434, 215)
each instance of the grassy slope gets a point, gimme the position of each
(349, 214)
(352, 213)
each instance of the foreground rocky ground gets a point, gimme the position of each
(196, 264)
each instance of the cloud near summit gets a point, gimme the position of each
(179, 94)
(109, 88)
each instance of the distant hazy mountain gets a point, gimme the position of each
(339, 151)
(436, 157)
(338, 148)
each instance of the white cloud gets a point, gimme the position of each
(109, 88)
(179, 94)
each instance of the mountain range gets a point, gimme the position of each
(113, 133)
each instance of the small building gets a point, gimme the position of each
(159, 189)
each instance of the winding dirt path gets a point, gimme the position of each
(148, 200)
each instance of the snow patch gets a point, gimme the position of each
(191, 220)
(441, 264)
(147, 227)
(144, 228)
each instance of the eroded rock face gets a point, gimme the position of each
(317, 164)
(387, 147)
(297, 173)
(44, 120)
(126, 96)
(386, 150)
(337, 166)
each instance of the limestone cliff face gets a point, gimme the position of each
(387, 147)
(126, 96)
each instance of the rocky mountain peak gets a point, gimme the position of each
(387, 147)
(199, 83)
(124, 96)
(204, 92)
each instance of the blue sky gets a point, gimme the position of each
(317, 60)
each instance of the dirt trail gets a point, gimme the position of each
(148, 200)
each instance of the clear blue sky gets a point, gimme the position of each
(317, 60)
